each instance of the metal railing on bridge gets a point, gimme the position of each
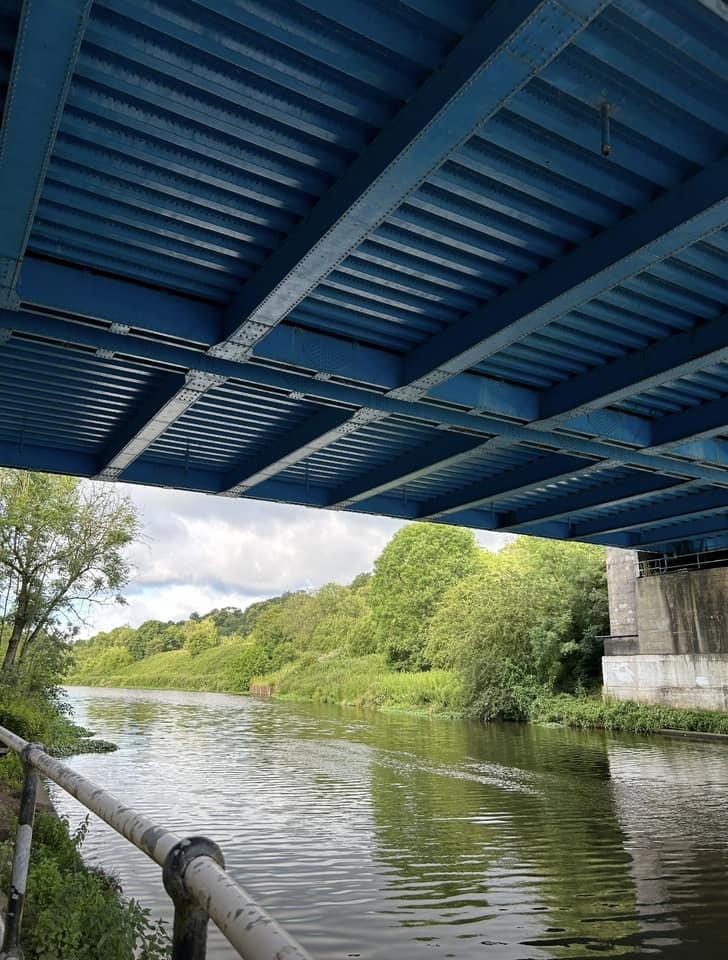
(192, 870)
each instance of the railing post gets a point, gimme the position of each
(21, 856)
(189, 935)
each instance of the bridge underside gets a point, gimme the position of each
(462, 261)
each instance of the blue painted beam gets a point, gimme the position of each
(322, 428)
(58, 289)
(616, 492)
(653, 514)
(680, 536)
(448, 450)
(122, 447)
(708, 450)
(217, 369)
(513, 40)
(49, 38)
(23, 456)
(510, 44)
(614, 425)
(691, 424)
(317, 496)
(63, 290)
(676, 219)
(83, 293)
(549, 469)
(153, 473)
(663, 362)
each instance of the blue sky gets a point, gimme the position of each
(200, 552)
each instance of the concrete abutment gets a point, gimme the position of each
(669, 642)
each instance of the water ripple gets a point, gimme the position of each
(377, 836)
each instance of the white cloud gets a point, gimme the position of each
(201, 552)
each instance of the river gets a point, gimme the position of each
(383, 836)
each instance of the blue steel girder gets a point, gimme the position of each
(448, 450)
(679, 537)
(68, 291)
(321, 429)
(628, 490)
(703, 421)
(549, 469)
(49, 38)
(511, 42)
(205, 368)
(675, 220)
(653, 514)
(527, 80)
(666, 360)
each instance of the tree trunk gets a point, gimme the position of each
(13, 643)
(19, 624)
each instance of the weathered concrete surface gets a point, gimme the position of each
(622, 572)
(675, 680)
(683, 612)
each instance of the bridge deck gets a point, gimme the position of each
(459, 260)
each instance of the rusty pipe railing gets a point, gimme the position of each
(192, 870)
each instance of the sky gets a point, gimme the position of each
(199, 552)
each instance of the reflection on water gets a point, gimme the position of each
(380, 836)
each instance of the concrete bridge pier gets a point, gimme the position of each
(669, 626)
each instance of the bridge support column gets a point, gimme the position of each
(669, 624)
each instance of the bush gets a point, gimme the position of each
(366, 682)
(74, 912)
(590, 712)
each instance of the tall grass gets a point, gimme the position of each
(217, 670)
(626, 716)
(366, 682)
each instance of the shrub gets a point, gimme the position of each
(74, 912)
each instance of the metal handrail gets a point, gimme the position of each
(657, 566)
(192, 870)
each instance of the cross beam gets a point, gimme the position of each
(510, 44)
(549, 469)
(679, 533)
(448, 450)
(676, 219)
(627, 490)
(677, 508)
(49, 38)
(127, 307)
(663, 362)
(321, 429)
(165, 355)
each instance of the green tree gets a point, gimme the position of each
(62, 547)
(528, 618)
(200, 635)
(410, 578)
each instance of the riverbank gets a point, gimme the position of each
(71, 910)
(365, 681)
(369, 682)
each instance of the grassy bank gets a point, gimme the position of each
(596, 714)
(220, 669)
(368, 681)
(364, 681)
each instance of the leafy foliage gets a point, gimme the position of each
(73, 911)
(440, 625)
(410, 579)
(528, 619)
(62, 547)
